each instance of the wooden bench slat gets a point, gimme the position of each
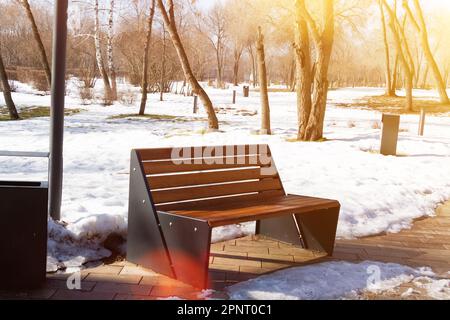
(166, 153)
(191, 193)
(208, 203)
(257, 210)
(204, 178)
(161, 167)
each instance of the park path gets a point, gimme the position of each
(427, 244)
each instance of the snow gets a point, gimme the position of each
(338, 280)
(377, 193)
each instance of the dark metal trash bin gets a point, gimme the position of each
(23, 234)
(389, 140)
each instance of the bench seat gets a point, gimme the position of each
(226, 212)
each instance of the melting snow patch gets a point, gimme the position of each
(333, 280)
(67, 250)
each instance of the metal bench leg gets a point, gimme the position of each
(145, 243)
(319, 228)
(283, 229)
(188, 243)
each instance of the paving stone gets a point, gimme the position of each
(126, 279)
(162, 281)
(271, 257)
(123, 288)
(254, 271)
(223, 267)
(38, 294)
(237, 262)
(186, 293)
(62, 284)
(136, 271)
(63, 294)
(246, 249)
(126, 297)
(103, 269)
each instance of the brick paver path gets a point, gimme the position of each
(427, 244)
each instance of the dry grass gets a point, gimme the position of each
(396, 105)
(34, 112)
(156, 117)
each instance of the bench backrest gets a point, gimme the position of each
(177, 177)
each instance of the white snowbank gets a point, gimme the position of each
(336, 280)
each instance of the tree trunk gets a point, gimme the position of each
(262, 70)
(144, 83)
(7, 91)
(111, 67)
(219, 70)
(324, 46)
(304, 73)
(253, 64)
(237, 60)
(389, 91)
(425, 78)
(163, 64)
(408, 69)
(99, 57)
(395, 76)
(431, 61)
(38, 39)
(169, 19)
(292, 75)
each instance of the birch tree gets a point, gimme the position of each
(110, 50)
(108, 95)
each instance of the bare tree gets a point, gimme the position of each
(404, 53)
(214, 27)
(108, 98)
(163, 64)
(148, 39)
(38, 39)
(265, 108)
(323, 40)
(170, 21)
(110, 50)
(304, 72)
(390, 90)
(7, 91)
(421, 27)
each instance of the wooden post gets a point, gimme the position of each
(389, 140)
(234, 96)
(422, 122)
(246, 91)
(195, 104)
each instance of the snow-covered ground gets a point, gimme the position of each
(377, 193)
(340, 280)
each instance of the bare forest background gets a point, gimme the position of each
(303, 46)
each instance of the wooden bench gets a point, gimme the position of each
(177, 196)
